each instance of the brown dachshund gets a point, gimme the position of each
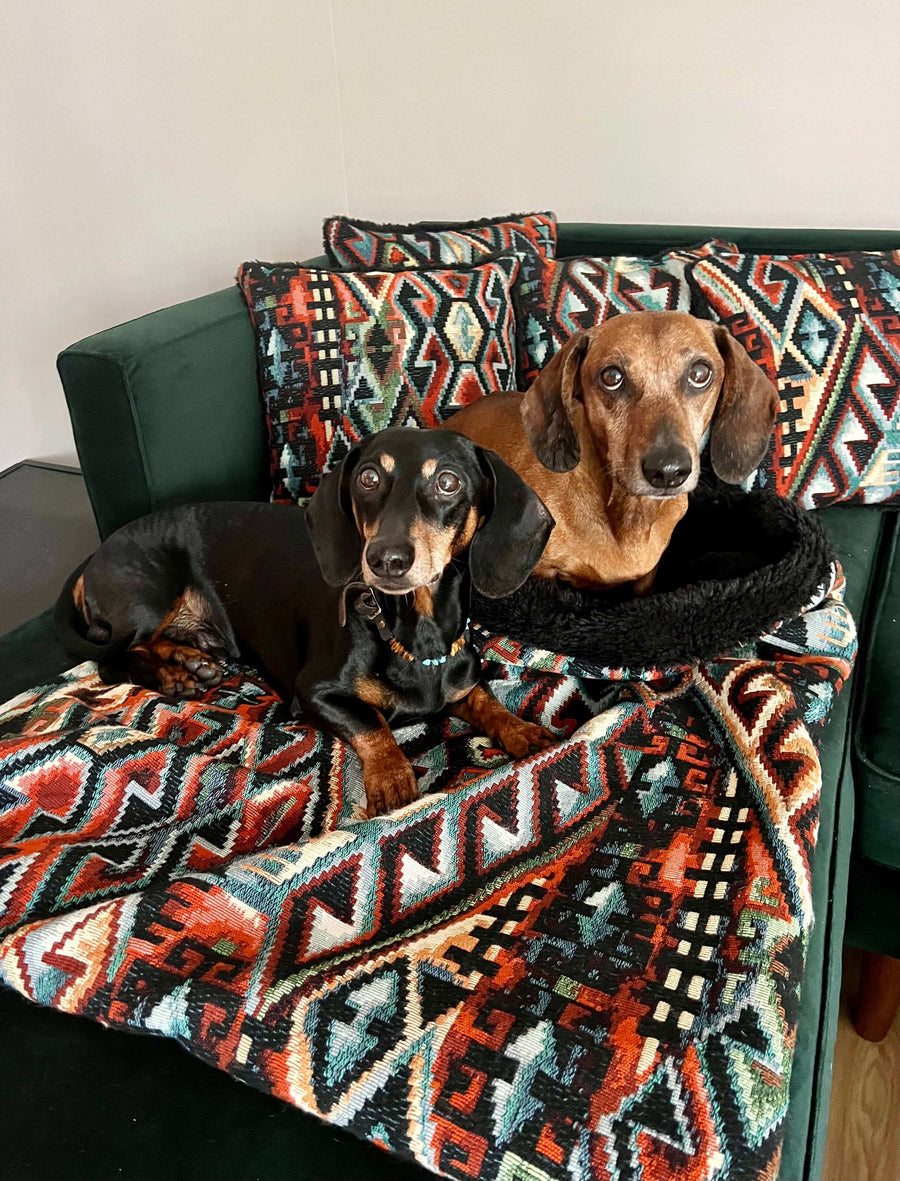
(609, 435)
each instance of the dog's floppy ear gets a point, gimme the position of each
(547, 408)
(745, 414)
(329, 515)
(517, 524)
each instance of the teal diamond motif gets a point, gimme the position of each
(815, 337)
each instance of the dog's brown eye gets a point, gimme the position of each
(612, 377)
(368, 478)
(448, 483)
(699, 374)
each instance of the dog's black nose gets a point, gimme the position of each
(666, 467)
(389, 559)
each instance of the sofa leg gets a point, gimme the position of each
(878, 999)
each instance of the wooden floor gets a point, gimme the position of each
(864, 1122)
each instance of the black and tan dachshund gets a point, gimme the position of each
(356, 609)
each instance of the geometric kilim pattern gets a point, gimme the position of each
(826, 330)
(341, 356)
(584, 964)
(573, 294)
(364, 245)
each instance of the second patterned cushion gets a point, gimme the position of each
(342, 354)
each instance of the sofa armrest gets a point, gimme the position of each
(165, 409)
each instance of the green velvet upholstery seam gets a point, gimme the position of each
(857, 537)
(838, 881)
(139, 435)
(871, 765)
(96, 491)
(139, 354)
(830, 975)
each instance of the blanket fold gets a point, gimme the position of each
(585, 964)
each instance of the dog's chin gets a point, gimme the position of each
(398, 586)
(648, 492)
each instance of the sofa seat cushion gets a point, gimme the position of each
(876, 755)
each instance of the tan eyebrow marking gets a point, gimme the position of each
(387, 462)
(429, 467)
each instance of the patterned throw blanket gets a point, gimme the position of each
(586, 964)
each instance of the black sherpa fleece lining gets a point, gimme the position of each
(737, 564)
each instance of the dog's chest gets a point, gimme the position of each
(404, 690)
(594, 551)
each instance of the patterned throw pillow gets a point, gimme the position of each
(826, 329)
(341, 355)
(570, 294)
(360, 245)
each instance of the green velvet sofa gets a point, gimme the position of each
(165, 409)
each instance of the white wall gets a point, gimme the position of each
(148, 147)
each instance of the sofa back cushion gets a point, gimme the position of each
(342, 355)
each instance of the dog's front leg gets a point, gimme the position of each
(481, 709)
(389, 780)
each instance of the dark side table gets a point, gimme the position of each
(46, 529)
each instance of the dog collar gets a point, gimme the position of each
(366, 605)
(395, 646)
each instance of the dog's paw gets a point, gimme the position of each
(389, 786)
(175, 670)
(197, 663)
(174, 681)
(520, 738)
